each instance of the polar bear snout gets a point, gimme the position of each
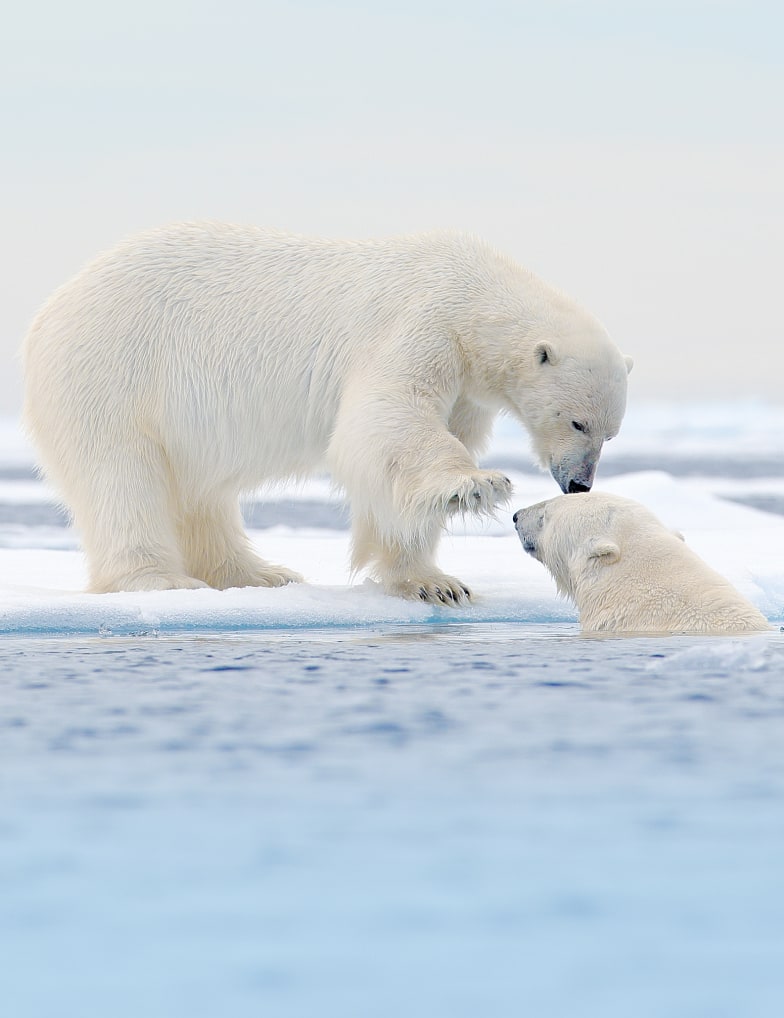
(573, 478)
(528, 524)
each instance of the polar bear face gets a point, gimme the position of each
(568, 387)
(577, 537)
(576, 404)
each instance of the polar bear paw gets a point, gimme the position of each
(261, 574)
(146, 580)
(480, 493)
(277, 576)
(437, 588)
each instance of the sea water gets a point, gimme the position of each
(433, 814)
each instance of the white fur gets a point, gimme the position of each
(626, 572)
(202, 359)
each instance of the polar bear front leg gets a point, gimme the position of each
(405, 476)
(401, 553)
(403, 571)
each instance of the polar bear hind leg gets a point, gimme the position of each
(217, 550)
(127, 521)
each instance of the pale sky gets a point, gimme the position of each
(631, 153)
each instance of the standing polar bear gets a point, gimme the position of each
(200, 360)
(626, 572)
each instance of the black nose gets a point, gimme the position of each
(575, 487)
(514, 518)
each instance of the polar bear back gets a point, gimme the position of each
(232, 340)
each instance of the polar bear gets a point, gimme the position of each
(200, 360)
(626, 572)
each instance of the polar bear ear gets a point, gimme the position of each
(544, 353)
(679, 535)
(601, 548)
(629, 364)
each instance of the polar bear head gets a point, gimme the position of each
(574, 400)
(566, 382)
(578, 536)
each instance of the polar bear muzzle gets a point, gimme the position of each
(572, 478)
(528, 524)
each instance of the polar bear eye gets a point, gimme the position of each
(578, 427)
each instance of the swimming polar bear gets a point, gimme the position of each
(626, 572)
(200, 360)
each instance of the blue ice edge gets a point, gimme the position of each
(194, 612)
(196, 629)
(254, 610)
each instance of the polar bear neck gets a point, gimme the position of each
(510, 310)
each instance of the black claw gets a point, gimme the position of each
(423, 594)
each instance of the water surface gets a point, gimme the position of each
(451, 820)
